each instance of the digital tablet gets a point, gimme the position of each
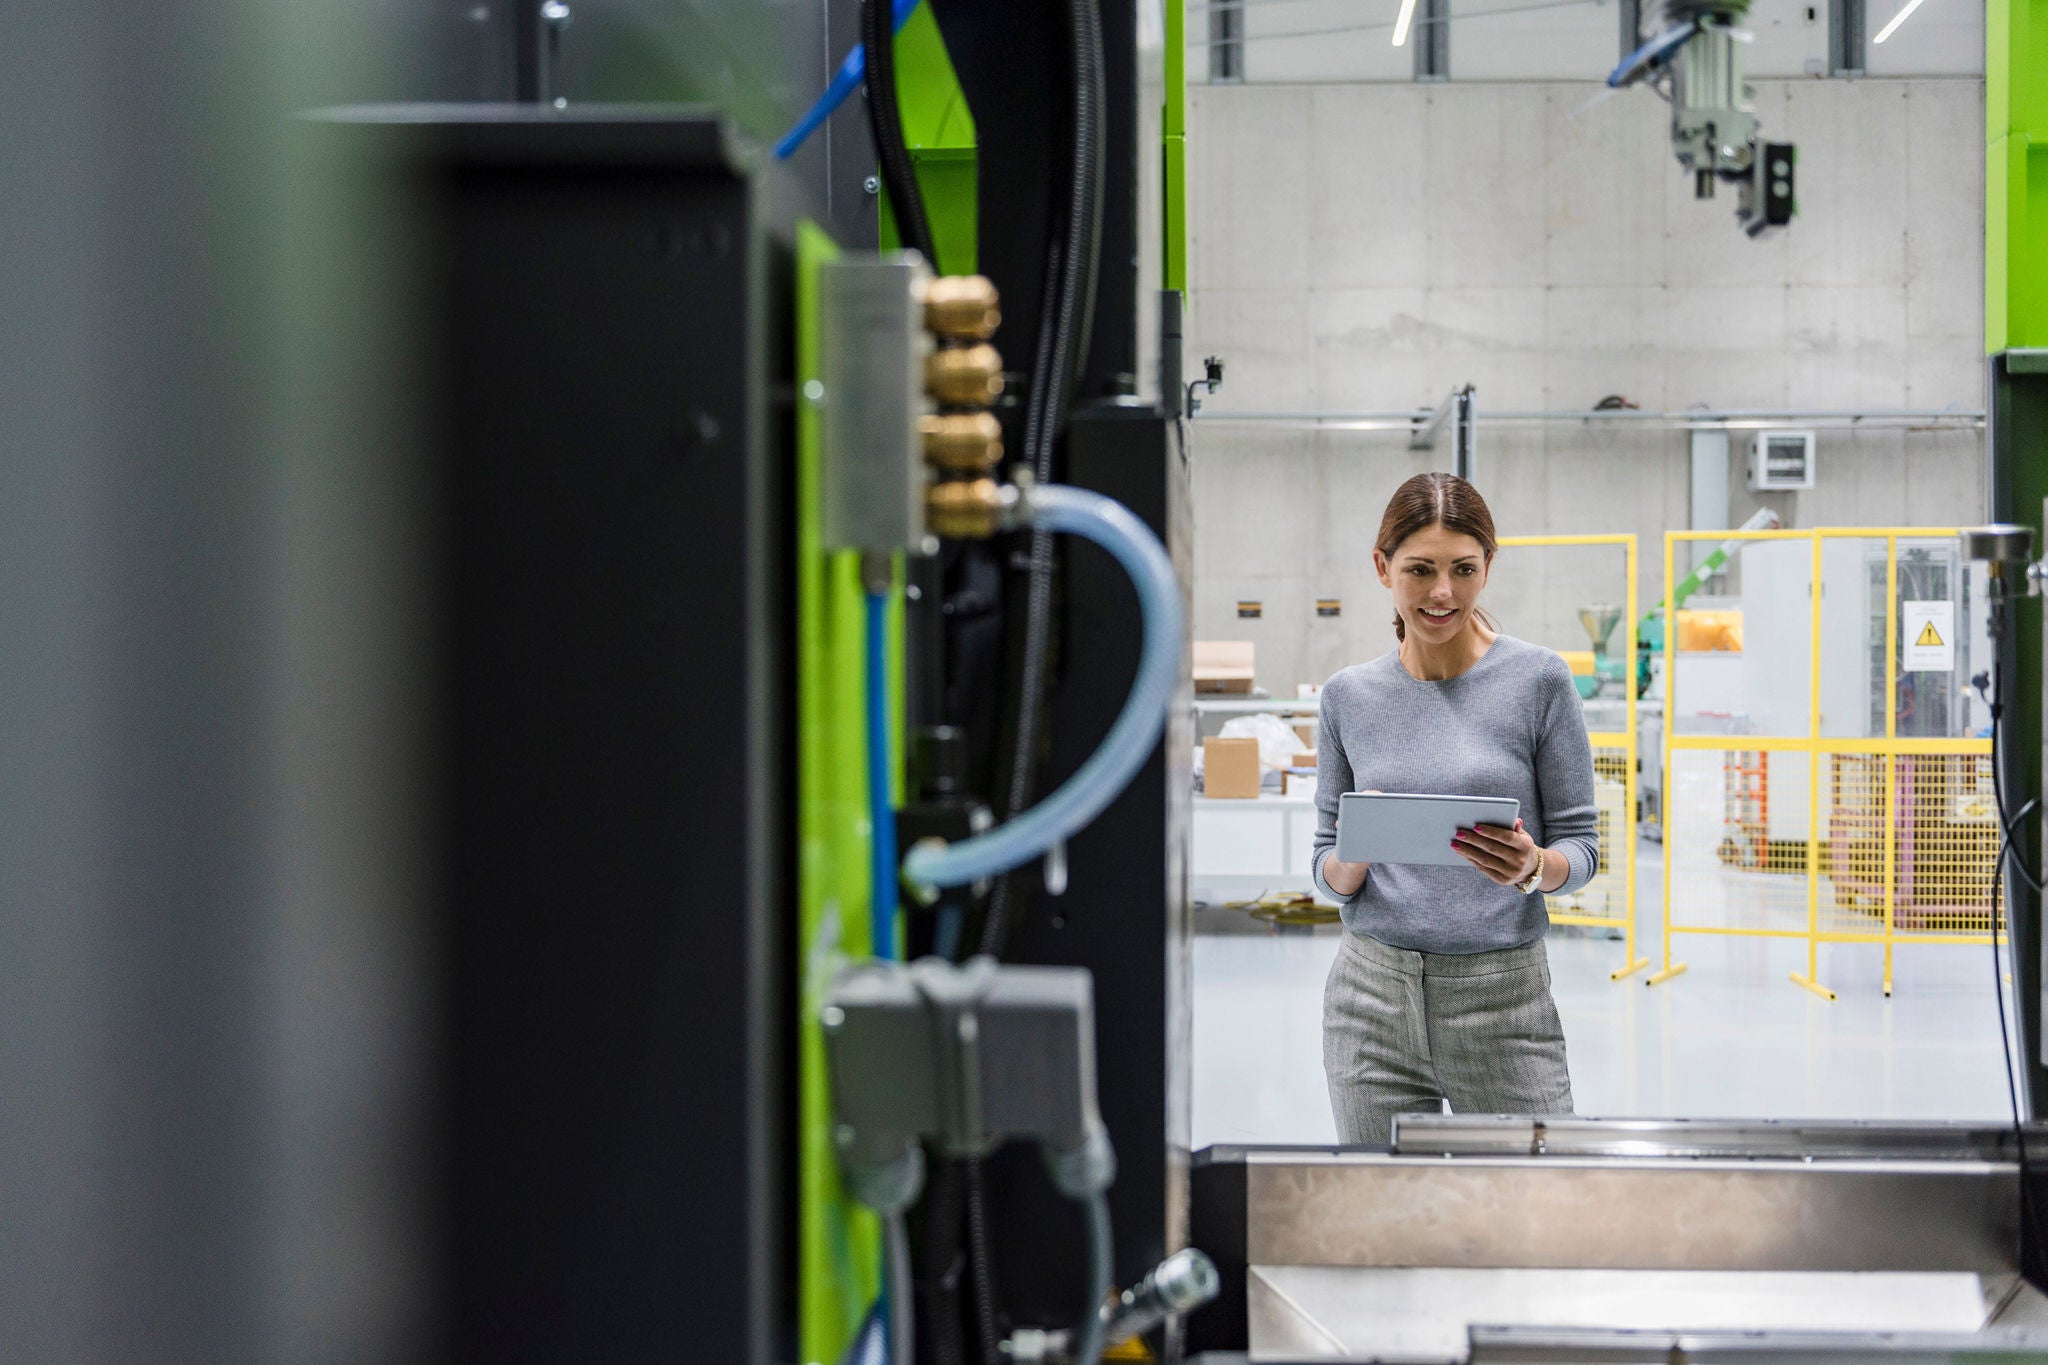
(1394, 827)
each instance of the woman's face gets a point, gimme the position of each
(1436, 576)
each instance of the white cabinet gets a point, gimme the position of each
(1242, 848)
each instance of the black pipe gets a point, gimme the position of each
(938, 1278)
(1067, 315)
(885, 117)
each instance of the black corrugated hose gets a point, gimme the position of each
(885, 119)
(939, 1332)
(982, 1267)
(1066, 318)
(2008, 852)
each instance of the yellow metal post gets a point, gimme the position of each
(1625, 739)
(1811, 979)
(1891, 761)
(1631, 963)
(1670, 715)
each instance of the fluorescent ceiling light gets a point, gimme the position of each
(1897, 19)
(1408, 13)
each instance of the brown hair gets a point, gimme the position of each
(1435, 500)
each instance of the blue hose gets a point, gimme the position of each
(1129, 743)
(1651, 53)
(851, 72)
(881, 799)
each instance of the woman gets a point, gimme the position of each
(1442, 988)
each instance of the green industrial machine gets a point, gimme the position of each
(2016, 345)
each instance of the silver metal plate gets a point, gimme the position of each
(1427, 1315)
(872, 343)
(1582, 1213)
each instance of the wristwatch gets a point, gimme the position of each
(1534, 879)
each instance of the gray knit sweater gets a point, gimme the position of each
(1510, 725)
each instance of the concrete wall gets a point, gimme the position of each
(1371, 246)
(1502, 40)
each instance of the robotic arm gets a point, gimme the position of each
(1696, 60)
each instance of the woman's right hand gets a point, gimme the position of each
(1345, 878)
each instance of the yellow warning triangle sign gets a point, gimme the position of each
(1929, 637)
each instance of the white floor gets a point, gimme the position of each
(1732, 1037)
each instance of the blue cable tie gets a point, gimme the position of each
(851, 72)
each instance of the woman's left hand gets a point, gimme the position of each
(1506, 856)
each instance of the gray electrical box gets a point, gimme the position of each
(963, 1055)
(874, 345)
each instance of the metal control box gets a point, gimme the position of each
(874, 342)
(963, 1054)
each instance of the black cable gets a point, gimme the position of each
(981, 1267)
(885, 119)
(940, 1332)
(2008, 850)
(1066, 315)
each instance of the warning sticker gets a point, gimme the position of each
(1929, 635)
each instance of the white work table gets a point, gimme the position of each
(1243, 847)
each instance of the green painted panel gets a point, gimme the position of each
(935, 112)
(939, 130)
(1998, 179)
(1175, 123)
(839, 1242)
(1174, 260)
(2016, 175)
(1174, 158)
(949, 181)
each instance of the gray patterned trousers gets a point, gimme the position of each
(1403, 1032)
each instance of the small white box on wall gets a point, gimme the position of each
(1780, 461)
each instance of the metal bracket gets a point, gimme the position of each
(1459, 412)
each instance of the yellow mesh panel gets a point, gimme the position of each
(1946, 843)
(1604, 900)
(1899, 843)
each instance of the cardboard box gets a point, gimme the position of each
(1307, 735)
(1230, 768)
(1306, 760)
(1223, 666)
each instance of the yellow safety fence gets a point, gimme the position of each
(1835, 830)
(1609, 900)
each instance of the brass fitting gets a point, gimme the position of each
(962, 308)
(964, 376)
(970, 509)
(963, 442)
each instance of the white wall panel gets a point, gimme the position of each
(1941, 38)
(1507, 40)
(1347, 40)
(1791, 38)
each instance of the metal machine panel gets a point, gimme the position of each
(1949, 1206)
(874, 345)
(1347, 1313)
(609, 651)
(1588, 1213)
(760, 66)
